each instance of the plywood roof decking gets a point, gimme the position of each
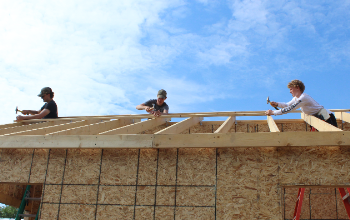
(127, 131)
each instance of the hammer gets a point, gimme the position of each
(268, 101)
(17, 110)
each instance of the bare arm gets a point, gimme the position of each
(144, 107)
(29, 112)
(40, 115)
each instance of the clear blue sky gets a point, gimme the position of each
(105, 57)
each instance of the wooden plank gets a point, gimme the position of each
(259, 139)
(225, 127)
(272, 125)
(137, 127)
(96, 128)
(49, 129)
(344, 116)
(318, 124)
(180, 126)
(10, 125)
(9, 200)
(27, 127)
(171, 115)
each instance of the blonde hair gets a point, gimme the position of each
(297, 83)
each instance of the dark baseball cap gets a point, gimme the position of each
(161, 94)
(44, 91)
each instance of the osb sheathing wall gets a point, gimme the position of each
(187, 183)
(232, 183)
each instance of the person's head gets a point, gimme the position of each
(161, 96)
(296, 87)
(46, 94)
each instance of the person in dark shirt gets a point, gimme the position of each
(49, 109)
(156, 107)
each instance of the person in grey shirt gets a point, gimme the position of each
(156, 107)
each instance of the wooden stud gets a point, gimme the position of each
(344, 116)
(225, 127)
(137, 127)
(318, 123)
(180, 126)
(272, 125)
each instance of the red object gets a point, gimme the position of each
(297, 209)
(346, 199)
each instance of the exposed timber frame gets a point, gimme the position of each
(126, 131)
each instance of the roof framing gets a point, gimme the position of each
(125, 131)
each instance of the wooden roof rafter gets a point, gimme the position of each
(319, 124)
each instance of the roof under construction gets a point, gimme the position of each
(137, 167)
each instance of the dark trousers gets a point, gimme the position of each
(332, 120)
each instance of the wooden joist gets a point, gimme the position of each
(344, 116)
(225, 127)
(180, 126)
(272, 124)
(95, 128)
(318, 123)
(137, 127)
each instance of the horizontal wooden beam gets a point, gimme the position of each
(180, 126)
(171, 115)
(263, 139)
(225, 127)
(318, 123)
(21, 128)
(272, 125)
(137, 127)
(344, 116)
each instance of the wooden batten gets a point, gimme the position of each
(225, 127)
(180, 126)
(137, 127)
(272, 124)
(344, 116)
(318, 124)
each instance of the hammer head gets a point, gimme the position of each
(16, 109)
(267, 100)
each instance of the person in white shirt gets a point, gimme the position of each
(303, 101)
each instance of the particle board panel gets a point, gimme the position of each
(114, 212)
(147, 167)
(164, 213)
(82, 166)
(204, 128)
(15, 165)
(73, 211)
(196, 166)
(119, 167)
(39, 166)
(49, 211)
(195, 196)
(323, 206)
(52, 193)
(120, 195)
(55, 168)
(314, 166)
(202, 213)
(165, 196)
(144, 212)
(145, 195)
(167, 166)
(342, 214)
(290, 127)
(80, 194)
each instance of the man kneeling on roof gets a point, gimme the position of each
(156, 107)
(303, 101)
(49, 109)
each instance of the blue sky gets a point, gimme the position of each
(105, 57)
